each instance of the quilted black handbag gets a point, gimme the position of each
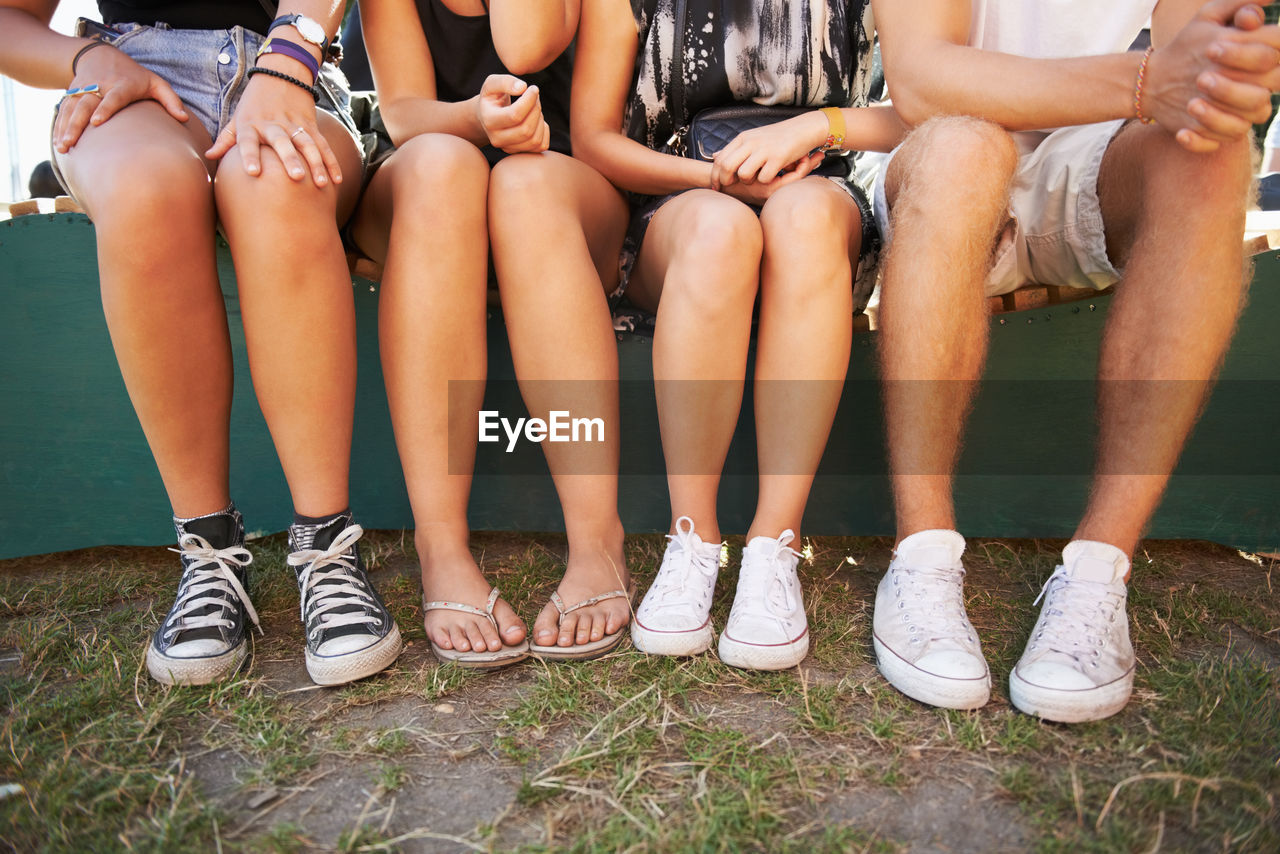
(715, 127)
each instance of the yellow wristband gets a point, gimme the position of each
(835, 128)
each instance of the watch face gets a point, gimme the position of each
(310, 30)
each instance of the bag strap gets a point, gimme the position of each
(677, 65)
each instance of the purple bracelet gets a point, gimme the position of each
(293, 51)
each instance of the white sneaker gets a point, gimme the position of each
(767, 628)
(675, 616)
(1079, 664)
(925, 645)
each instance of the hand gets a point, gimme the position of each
(761, 154)
(282, 116)
(1214, 80)
(120, 82)
(512, 126)
(758, 192)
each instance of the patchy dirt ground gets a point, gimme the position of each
(631, 752)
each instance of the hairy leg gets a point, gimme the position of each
(948, 192)
(423, 216)
(299, 318)
(143, 179)
(1174, 221)
(557, 227)
(812, 233)
(699, 268)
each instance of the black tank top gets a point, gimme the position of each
(463, 54)
(188, 15)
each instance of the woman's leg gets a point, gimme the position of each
(143, 180)
(557, 227)
(812, 235)
(699, 267)
(299, 317)
(423, 217)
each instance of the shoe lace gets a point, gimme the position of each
(1077, 616)
(208, 582)
(940, 592)
(776, 599)
(331, 581)
(681, 567)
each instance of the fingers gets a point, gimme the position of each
(1247, 57)
(112, 102)
(247, 143)
(1195, 142)
(1226, 11)
(286, 148)
(73, 118)
(1249, 18)
(162, 92)
(224, 142)
(521, 125)
(503, 84)
(1247, 101)
(1218, 123)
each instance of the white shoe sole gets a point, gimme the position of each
(929, 688)
(672, 643)
(750, 656)
(341, 669)
(1070, 707)
(195, 671)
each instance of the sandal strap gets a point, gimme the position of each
(486, 612)
(585, 603)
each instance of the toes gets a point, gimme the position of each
(513, 630)
(440, 637)
(488, 636)
(544, 629)
(476, 636)
(568, 630)
(459, 638)
(598, 626)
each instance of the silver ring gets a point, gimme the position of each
(296, 132)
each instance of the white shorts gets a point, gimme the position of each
(1055, 234)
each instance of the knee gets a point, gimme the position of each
(813, 220)
(716, 259)
(156, 184)
(523, 181)
(1220, 180)
(956, 154)
(433, 166)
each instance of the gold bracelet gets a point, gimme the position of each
(835, 128)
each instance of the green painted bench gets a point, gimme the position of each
(75, 470)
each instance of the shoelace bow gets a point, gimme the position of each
(943, 590)
(674, 583)
(207, 581)
(777, 598)
(1084, 615)
(330, 581)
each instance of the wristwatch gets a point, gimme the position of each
(308, 28)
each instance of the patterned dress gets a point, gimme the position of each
(774, 52)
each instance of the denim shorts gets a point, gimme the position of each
(207, 69)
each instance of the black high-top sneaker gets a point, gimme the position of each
(350, 633)
(202, 639)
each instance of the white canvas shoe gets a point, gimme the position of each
(1079, 663)
(767, 628)
(675, 616)
(925, 645)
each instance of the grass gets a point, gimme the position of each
(631, 753)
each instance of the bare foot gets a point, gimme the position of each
(458, 579)
(586, 576)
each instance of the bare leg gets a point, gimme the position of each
(700, 268)
(557, 227)
(142, 174)
(948, 191)
(812, 232)
(299, 318)
(1171, 319)
(423, 216)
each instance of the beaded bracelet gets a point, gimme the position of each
(1137, 90)
(284, 47)
(280, 75)
(75, 60)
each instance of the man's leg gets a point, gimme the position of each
(947, 188)
(1174, 222)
